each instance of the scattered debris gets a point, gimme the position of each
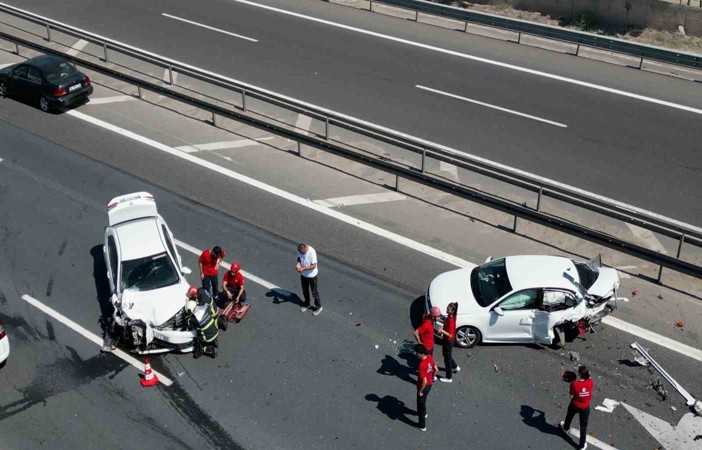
(180, 374)
(698, 437)
(698, 408)
(689, 399)
(608, 405)
(377, 346)
(659, 388)
(660, 297)
(635, 293)
(357, 324)
(640, 360)
(574, 356)
(495, 367)
(673, 408)
(679, 324)
(681, 30)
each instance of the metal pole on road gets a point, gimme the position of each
(680, 245)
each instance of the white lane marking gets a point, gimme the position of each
(683, 436)
(303, 123)
(591, 440)
(608, 405)
(115, 99)
(91, 336)
(222, 145)
(488, 105)
(209, 27)
(648, 238)
(418, 246)
(351, 200)
(650, 336)
(247, 275)
(477, 58)
(374, 229)
(77, 47)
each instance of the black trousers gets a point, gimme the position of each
(584, 415)
(422, 406)
(235, 291)
(447, 352)
(310, 284)
(210, 283)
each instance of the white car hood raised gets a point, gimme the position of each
(155, 306)
(453, 286)
(606, 281)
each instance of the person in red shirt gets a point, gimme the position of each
(581, 394)
(448, 335)
(233, 284)
(209, 269)
(425, 376)
(424, 334)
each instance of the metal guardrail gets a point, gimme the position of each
(580, 38)
(331, 138)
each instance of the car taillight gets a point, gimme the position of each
(2, 331)
(59, 92)
(86, 81)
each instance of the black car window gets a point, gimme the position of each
(526, 299)
(21, 72)
(34, 75)
(57, 72)
(490, 282)
(112, 253)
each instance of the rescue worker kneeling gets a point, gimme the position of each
(202, 318)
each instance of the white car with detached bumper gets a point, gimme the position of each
(146, 278)
(525, 299)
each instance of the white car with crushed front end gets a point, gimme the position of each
(525, 299)
(146, 278)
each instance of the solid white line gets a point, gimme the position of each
(91, 336)
(209, 27)
(77, 47)
(591, 440)
(351, 200)
(476, 58)
(487, 105)
(647, 237)
(374, 229)
(303, 123)
(115, 99)
(650, 336)
(222, 145)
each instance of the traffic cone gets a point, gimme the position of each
(149, 379)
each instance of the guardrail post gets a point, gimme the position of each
(465, 28)
(17, 49)
(243, 99)
(214, 119)
(641, 63)
(48, 32)
(416, 15)
(104, 46)
(370, 8)
(299, 149)
(170, 75)
(424, 157)
(519, 38)
(139, 94)
(577, 50)
(326, 128)
(680, 245)
(538, 200)
(514, 228)
(660, 274)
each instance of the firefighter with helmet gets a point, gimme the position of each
(202, 317)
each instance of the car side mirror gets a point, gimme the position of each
(499, 311)
(186, 271)
(488, 259)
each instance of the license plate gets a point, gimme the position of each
(74, 88)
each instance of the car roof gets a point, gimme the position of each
(139, 238)
(45, 61)
(538, 271)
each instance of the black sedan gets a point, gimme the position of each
(49, 81)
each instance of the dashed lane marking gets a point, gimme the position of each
(115, 99)
(91, 336)
(246, 38)
(222, 145)
(647, 237)
(78, 47)
(361, 199)
(366, 226)
(591, 440)
(488, 105)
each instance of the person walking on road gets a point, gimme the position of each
(581, 394)
(307, 268)
(448, 334)
(209, 269)
(425, 377)
(424, 334)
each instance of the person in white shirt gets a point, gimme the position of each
(307, 268)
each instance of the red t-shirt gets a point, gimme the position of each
(426, 334)
(209, 262)
(581, 390)
(450, 327)
(427, 367)
(234, 280)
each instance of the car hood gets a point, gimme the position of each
(453, 286)
(156, 306)
(607, 281)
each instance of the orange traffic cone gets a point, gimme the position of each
(149, 379)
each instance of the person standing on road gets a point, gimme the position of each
(233, 284)
(581, 394)
(306, 266)
(209, 269)
(424, 334)
(425, 377)
(448, 334)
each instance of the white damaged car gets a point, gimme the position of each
(525, 299)
(146, 278)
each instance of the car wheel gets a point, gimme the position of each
(467, 337)
(44, 104)
(3, 89)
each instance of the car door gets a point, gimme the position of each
(511, 318)
(112, 260)
(18, 84)
(555, 307)
(34, 84)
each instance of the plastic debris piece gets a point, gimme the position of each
(635, 293)
(679, 324)
(641, 360)
(357, 324)
(673, 408)
(377, 346)
(495, 367)
(180, 374)
(574, 356)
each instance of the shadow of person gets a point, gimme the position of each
(102, 286)
(282, 296)
(537, 419)
(417, 311)
(392, 407)
(391, 367)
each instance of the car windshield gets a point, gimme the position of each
(490, 282)
(145, 274)
(57, 72)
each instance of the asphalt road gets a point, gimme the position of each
(283, 379)
(642, 153)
